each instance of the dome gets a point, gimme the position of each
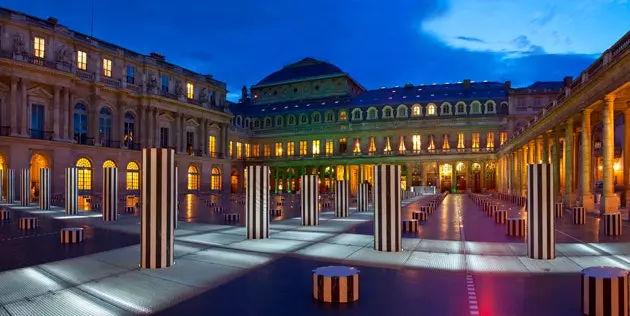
(305, 68)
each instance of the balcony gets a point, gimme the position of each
(407, 153)
(40, 134)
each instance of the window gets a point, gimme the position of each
(415, 110)
(215, 179)
(256, 150)
(490, 140)
(303, 119)
(193, 178)
(129, 129)
(446, 108)
(343, 116)
(133, 176)
(267, 150)
(357, 146)
(330, 116)
(388, 145)
(164, 137)
(82, 60)
(290, 149)
(401, 144)
(267, 122)
(278, 149)
(80, 123)
(278, 120)
(190, 91)
(460, 141)
(190, 140)
(330, 147)
(343, 145)
(291, 120)
(371, 114)
(105, 126)
(461, 108)
(431, 109)
(230, 150)
(416, 143)
(39, 47)
(503, 136)
(248, 152)
(317, 118)
(431, 147)
(107, 67)
(37, 121)
(303, 148)
(84, 174)
(475, 141)
(387, 113)
(356, 115)
(131, 74)
(446, 146)
(164, 83)
(490, 108)
(372, 145)
(212, 145)
(239, 150)
(402, 111)
(316, 147)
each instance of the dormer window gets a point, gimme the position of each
(387, 113)
(343, 116)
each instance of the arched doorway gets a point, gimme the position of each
(460, 176)
(490, 176)
(328, 183)
(193, 178)
(291, 180)
(446, 179)
(234, 181)
(84, 170)
(215, 179)
(431, 173)
(109, 164)
(2, 168)
(476, 177)
(133, 176)
(38, 161)
(416, 176)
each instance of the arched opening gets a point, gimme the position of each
(38, 161)
(133, 176)
(84, 170)
(2, 168)
(109, 164)
(490, 177)
(105, 126)
(446, 172)
(215, 179)
(431, 174)
(416, 176)
(80, 124)
(476, 177)
(193, 178)
(461, 176)
(234, 181)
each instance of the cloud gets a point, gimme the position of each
(541, 19)
(470, 39)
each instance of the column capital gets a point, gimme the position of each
(609, 98)
(626, 111)
(587, 111)
(56, 89)
(14, 80)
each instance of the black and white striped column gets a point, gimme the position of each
(612, 224)
(10, 186)
(72, 191)
(310, 200)
(44, 188)
(158, 206)
(579, 215)
(559, 208)
(176, 216)
(257, 202)
(110, 194)
(541, 238)
(342, 191)
(604, 291)
(387, 207)
(25, 187)
(1, 184)
(362, 197)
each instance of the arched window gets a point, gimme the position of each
(303, 119)
(317, 117)
(215, 179)
(84, 172)
(193, 178)
(357, 115)
(133, 176)
(130, 130)
(291, 120)
(267, 122)
(256, 123)
(109, 164)
(401, 111)
(388, 112)
(279, 121)
(475, 107)
(415, 110)
(446, 109)
(80, 123)
(246, 122)
(105, 126)
(372, 113)
(431, 109)
(330, 116)
(343, 115)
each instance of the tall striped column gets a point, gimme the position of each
(541, 238)
(257, 202)
(110, 194)
(44, 188)
(25, 187)
(72, 190)
(10, 186)
(158, 206)
(176, 216)
(387, 207)
(310, 200)
(1, 183)
(342, 190)
(362, 197)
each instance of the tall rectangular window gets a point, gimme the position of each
(343, 145)
(107, 67)
(388, 145)
(503, 137)
(164, 83)
(190, 140)
(131, 74)
(417, 143)
(239, 150)
(212, 145)
(372, 145)
(248, 150)
(164, 137)
(490, 140)
(460, 141)
(82, 60)
(278, 149)
(37, 121)
(230, 150)
(357, 146)
(330, 147)
(190, 91)
(316, 147)
(475, 141)
(267, 150)
(431, 146)
(303, 148)
(290, 149)
(256, 150)
(39, 47)
(446, 146)
(401, 145)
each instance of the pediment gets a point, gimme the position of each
(215, 126)
(166, 117)
(39, 92)
(191, 122)
(4, 87)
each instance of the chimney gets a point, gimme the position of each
(508, 85)
(568, 80)
(53, 20)
(157, 56)
(244, 93)
(466, 84)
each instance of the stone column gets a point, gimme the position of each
(44, 188)
(539, 149)
(13, 106)
(609, 203)
(150, 128)
(532, 151)
(545, 148)
(309, 200)
(387, 208)
(110, 194)
(524, 164)
(555, 161)
(626, 154)
(585, 178)
(70, 114)
(24, 105)
(569, 195)
(541, 240)
(342, 192)
(95, 110)
(56, 111)
(257, 202)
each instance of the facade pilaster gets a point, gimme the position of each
(569, 195)
(585, 177)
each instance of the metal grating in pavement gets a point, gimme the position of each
(558, 265)
(369, 255)
(212, 239)
(479, 263)
(194, 273)
(329, 251)
(127, 257)
(577, 250)
(302, 236)
(3, 312)
(269, 245)
(436, 260)
(230, 258)
(82, 269)
(27, 282)
(612, 248)
(352, 240)
(487, 248)
(448, 246)
(62, 303)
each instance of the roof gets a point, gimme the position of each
(303, 69)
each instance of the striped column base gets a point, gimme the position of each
(5, 215)
(72, 235)
(336, 284)
(579, 215)
(130, 209)
(96, 206)
(604, 291)
(233, 217)
(277, 212)
(28, 223)
(420, 216)
(516, 227)
(218, 209)
(612, 224)
(491, 210)
(500, 216)
(409, 225)
(558, 209)
(279, 204)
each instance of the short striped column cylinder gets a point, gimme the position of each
(4, 215)
(425, 208)
(110, 194)
(232, 217)
(310, 200)
(342, 192)
(44, 188)
(25, 187)
(336, 284)
(516, 226)
(257, 202)
(387, 208)
(420, 216)
(559, 209)
(579, 215)
(362, 197)
(72, 190)
(28, 223)
(604, 291)
(275, 212)
(72, 235)
(500, 216)
(158, 207)
(541, 236)
(409, 225)
(491, 210)
(130, 209)
(218, 209)
(612, 224)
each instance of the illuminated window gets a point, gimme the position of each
(248, 151)
(107, 67)
(133, 176)
(278, 149)
(239, 150)
(446, 146)
(401, 142)
(460, 141)
(303, 148)
(267, 150)
(82, 60)
(417, 143)
(330, 147)
(431, 109)
(490, 140)
(415, 110)
(212, 145)
(193, 178)
(431, 146)
(475, 141)
(372, 145)
(109, 164)
(215, 179)
(39, 47)
(343, 145)
(190, 91)
(256, 150)
(316, 147)
(503, 137)
(357, 146)
(388, 145)
(230, 151)
(290, 149)
(343, 116)
(84, 173)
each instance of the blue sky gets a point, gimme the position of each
(379, 43)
